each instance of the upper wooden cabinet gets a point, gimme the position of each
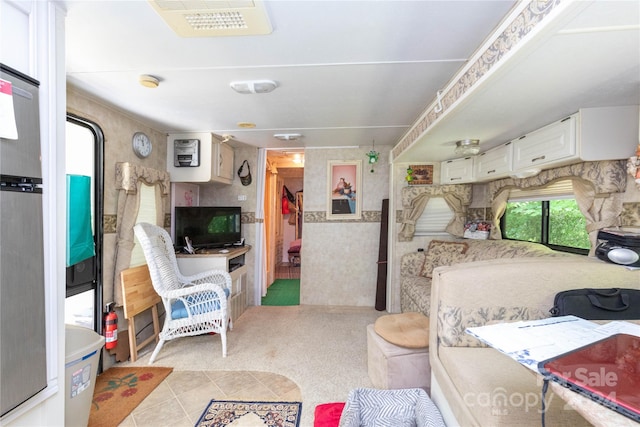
(547, 145)
(591, 134)
(206, 159)
(494, 163)
(457, 171)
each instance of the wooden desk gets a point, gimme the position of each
(232, 262)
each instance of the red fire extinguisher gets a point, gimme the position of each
(110, 327)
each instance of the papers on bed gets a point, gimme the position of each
(530, 342)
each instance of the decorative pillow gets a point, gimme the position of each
(442, 253)
(328, 414)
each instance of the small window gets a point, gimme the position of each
(435, 217)
(549, 215)
(146, 213)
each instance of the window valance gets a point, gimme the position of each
(414, 200)
(606, 177)
(128, 175)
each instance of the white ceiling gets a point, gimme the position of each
(349, 72)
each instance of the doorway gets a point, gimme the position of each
(283, 212)
(84, 156)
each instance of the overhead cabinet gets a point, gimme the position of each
(494, 163)
(550, 144)
(591, 134)
(199, 157)
(457, 171)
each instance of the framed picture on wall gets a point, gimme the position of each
(344, 198)
(422, 175)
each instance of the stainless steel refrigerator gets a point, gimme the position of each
(23, 367)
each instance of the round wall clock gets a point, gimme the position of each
(141, 145)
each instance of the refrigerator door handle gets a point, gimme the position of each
(20, 184)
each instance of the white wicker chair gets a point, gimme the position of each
(194, 305)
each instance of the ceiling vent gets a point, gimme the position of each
(202, 18)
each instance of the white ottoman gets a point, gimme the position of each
(394, 367)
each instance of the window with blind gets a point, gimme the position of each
(146, 213)
(547, 215)
(435, 217)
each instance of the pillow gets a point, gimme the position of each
(442, 253)
(328, 414)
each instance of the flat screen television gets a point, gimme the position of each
(207, 226)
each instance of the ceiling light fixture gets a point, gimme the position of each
(254, 86)
(287, 136)
(147, 80)
(468, 147)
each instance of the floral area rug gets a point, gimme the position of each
(119, 390)
(233, 413)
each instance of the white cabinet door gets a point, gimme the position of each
(549, 144)
(456, 171)
(494, 163)
(224, 162)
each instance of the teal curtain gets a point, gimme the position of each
(80, 244)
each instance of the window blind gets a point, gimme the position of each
(434, 218)
(557, 190)
(146, 213)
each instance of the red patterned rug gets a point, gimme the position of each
(222, 413)
(119, 390)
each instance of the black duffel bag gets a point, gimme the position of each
(598, 304)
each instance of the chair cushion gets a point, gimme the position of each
(409, 330)
(179, 311)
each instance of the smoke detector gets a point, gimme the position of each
(214, 18)
(150, 81)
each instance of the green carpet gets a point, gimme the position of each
(283, 292)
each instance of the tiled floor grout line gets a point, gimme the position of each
(173, 393)
(275, 395)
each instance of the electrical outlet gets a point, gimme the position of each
(242, 197)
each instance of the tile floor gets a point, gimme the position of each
(183, 396)
(258, 358)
